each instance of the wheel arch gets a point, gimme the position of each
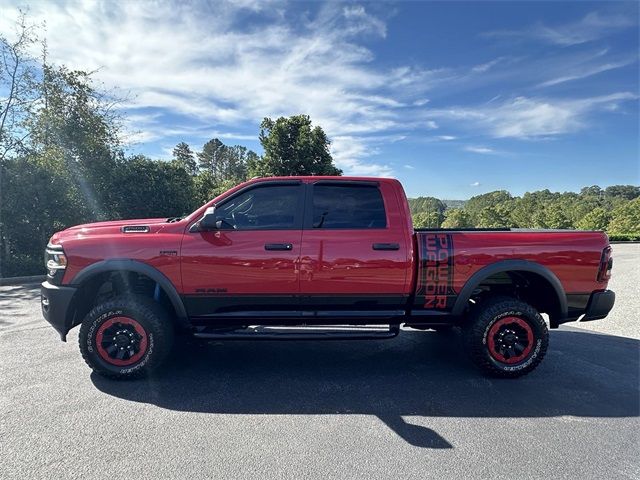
(99, 269)
(514, 266)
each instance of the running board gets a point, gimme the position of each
(262, 332)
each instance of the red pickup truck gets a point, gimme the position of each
(317, 258)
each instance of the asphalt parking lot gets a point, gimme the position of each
(412, 407)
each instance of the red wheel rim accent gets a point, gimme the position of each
(521, 330)
(109, 332)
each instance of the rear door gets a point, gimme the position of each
(355, 255)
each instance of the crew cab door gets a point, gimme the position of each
(356, 250)
(250, 263)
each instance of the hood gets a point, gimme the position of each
(113, 227)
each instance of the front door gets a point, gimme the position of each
(250, 263)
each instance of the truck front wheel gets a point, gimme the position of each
(125, 337)
(506, 337)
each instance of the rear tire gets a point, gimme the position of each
(126, 337)
(506, 338)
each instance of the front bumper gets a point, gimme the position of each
(55, 301)
(599, 306)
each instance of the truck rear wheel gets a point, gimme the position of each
(506, 337)
(126, 337)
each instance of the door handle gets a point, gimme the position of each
(385, 246)
(278, 246)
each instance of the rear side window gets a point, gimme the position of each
(348, 206)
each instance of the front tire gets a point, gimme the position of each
(126, 337)
(506, 338)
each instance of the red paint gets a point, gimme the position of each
(323, 261)
(344, 261)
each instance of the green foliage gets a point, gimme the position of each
(293, 147)
(427, 211)
(629, 237)
(476, 206)
(596, 219)
(457, 218)
(167, 189)
(426, 220)
(223, 162)
(625, 218)
(184, 157)
(494, 216)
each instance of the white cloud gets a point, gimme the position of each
(431, 125)
(587, 71)
(353, 156)
(409, 167)
(485, 67)
(191, 62)
(475, 184)
(524, 117)
(591, 27)
(446, 138)
(477, 149)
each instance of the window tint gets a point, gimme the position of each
(348, 206)
(262, 208)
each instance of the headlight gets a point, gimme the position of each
(54, 259)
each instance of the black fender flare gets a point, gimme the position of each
(509, 266)
(127, 265)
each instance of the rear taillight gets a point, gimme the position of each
(606, 264)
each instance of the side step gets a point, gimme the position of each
(324, 332)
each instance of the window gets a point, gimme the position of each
(348, 206)
(268, 207)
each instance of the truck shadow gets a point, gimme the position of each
(418, 374)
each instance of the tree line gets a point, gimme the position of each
(615, 209)
(63, 162)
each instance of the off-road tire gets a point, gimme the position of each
(484, 337)
(136, 316)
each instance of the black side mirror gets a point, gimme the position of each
(208, 221)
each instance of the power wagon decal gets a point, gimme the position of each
(435, 272)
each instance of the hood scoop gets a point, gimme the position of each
(135, 229)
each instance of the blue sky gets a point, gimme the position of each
(452, 98)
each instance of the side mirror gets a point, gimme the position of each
(208, 221)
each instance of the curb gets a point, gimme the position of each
(620, 242)
(22, 280)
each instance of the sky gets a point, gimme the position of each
(452, 98)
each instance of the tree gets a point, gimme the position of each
(167, 189)
(628, 192)
(457, 218)
(431, 211)
(224, 163)
(426, 220)
(183, 156)
(210, 158)
(477, 204)
(293, 147)
(494, 216)
(596, 219)
(18, 86)
(626, 218)
(555, 216)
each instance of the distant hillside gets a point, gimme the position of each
(425, 203)
(454, 203)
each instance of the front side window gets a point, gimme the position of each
(348, 206)
(274, 207)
